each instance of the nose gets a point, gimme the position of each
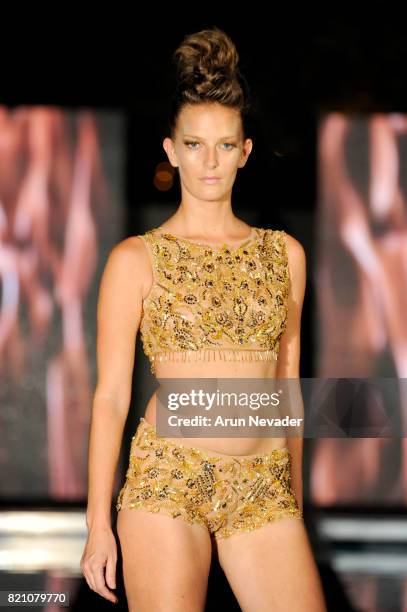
(211, 158)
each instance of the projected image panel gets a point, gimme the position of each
(361, 282)
(61, 211)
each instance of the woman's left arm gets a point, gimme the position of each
(288, 365)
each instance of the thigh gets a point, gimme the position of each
(166, 561)
(272, 568)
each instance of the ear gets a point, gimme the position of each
(168, 146)
(247, 147)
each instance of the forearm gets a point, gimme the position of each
(294, 407)
(296, 439)
(106, 433)
(295, 445)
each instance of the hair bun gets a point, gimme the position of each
(207, 71)
(208, 56)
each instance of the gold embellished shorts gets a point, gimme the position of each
(226, 494)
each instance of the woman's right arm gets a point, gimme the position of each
(118, 319)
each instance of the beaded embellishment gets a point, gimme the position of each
(215, 303)
(225, 494)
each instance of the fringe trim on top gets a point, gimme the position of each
(214, 354)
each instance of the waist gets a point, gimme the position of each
(210, 444)
(239, 446)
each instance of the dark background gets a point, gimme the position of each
(298, 64)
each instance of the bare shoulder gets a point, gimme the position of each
(127, 261)
(297, 265)
(295, 250)
(130, 248)
(128, 255)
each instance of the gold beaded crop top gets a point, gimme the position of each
(210, 303)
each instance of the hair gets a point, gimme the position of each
(207, 71)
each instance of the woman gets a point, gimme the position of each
(225, 303)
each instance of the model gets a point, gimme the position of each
(212, 297)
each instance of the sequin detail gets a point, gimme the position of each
(224, 493)
(208, 303)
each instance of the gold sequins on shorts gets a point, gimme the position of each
(224, 493)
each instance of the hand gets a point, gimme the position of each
(100, 553)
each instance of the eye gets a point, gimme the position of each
(192, 142)
(191, 145)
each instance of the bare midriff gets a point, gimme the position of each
(219, 369)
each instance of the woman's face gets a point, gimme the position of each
(208, 143)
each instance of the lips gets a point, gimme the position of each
(209, 179)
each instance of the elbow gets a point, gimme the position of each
(118, 404)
